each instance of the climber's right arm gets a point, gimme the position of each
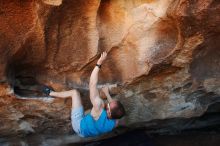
(96, 101)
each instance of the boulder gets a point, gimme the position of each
(163, 56)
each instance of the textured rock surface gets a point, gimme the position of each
(163, 54)
(53, 2)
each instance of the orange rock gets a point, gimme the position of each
(163, 55)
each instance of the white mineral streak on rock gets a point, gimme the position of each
(26, 127)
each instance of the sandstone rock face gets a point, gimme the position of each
(53, 2)
(163, 55)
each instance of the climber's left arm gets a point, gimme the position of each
(120, 122)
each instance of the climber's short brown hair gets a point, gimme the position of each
(117, 109)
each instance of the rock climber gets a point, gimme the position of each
(103, 118)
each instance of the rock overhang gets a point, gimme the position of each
(163, 54)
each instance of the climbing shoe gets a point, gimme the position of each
(46, 90)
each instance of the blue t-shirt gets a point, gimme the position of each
(90, 127)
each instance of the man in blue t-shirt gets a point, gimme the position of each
(103, 117)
